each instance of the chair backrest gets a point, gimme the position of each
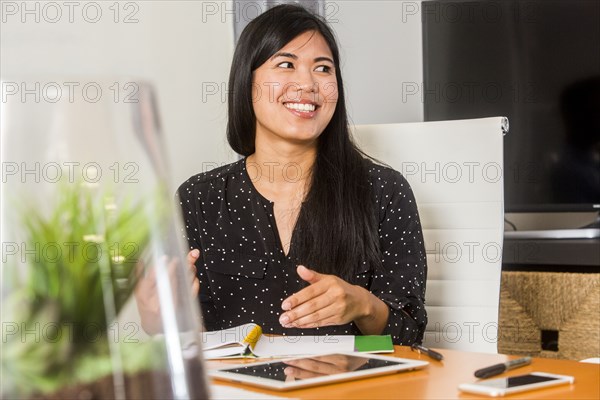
(455, 169)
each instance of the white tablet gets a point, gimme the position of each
(300, 372)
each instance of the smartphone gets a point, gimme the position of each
(515, 384)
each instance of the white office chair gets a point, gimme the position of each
(455, 170)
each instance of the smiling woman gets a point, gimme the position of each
(321, 240)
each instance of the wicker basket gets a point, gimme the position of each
(564, 303)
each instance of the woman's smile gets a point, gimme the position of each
(302, 109)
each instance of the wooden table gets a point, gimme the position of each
(441, 379)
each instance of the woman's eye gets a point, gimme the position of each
(323, 68)
(285, 64)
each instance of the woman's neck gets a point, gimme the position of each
(281, 167)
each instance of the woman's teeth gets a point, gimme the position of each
(300, 106)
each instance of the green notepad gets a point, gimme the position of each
(374, 344)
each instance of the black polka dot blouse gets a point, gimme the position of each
(245, 275)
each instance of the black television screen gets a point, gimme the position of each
(538, 63)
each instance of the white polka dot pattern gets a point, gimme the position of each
(245, 275)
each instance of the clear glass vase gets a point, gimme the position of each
(96, 294)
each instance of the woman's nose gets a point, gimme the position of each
(306, 81)
(309, 87)
(296, 91)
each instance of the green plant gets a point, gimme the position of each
(80, 269)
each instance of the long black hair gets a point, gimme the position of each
(336, 230)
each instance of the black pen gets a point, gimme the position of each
(431, 353)
(500, 368)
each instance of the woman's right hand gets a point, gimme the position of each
(146, 293)
(192, 257)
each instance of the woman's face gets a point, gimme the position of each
(295, 92)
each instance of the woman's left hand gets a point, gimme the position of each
(328, 300)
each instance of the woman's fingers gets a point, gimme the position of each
(308, 313)
(172, 270)
(192, 257)
(328, 300)
(323, 317)
(146, 291)
(195, 287)
(308, 293)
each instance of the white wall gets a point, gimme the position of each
(381, 48)
(185, 49)
(177, 45)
